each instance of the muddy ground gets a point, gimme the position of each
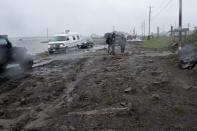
(141, 89)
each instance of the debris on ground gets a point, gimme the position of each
(188, 57)
(95, 91)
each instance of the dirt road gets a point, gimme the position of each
(141, 89)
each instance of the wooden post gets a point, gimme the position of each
(158, 35)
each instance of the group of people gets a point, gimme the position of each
(114, 39)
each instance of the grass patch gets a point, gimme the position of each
(191, 38)
(162, 42)
(179, 126)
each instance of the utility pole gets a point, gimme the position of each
(114, 28)
(150, 11)
(144, 28)
(195, 28)
(158, 32)
(180, 24)
(47, 34)
(134, 31)
(171, 31)
(188, 28)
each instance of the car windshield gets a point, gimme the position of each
(3, 41)
(59, 38)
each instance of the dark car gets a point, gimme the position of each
(86, 44)
(12, 55)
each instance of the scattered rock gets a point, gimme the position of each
(1, 102)
(130, 106)
(104, 58)
(124, 104)
(72, 128)
(188, 57)
(155, 97)
(5, 99)
(128, 90)
(175, 44)
(156, 73)
(150, 61)
(1, 113)
(194, 87)
(156, 83)
(187, 87)
(23, 101)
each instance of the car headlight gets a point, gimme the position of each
(62, 45)
(49, 46)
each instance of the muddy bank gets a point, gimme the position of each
(141, 89)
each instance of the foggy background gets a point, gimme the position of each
(33, 17)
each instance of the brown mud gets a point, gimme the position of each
(141, 89)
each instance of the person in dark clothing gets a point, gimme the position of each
(123, 43)
(111, 43)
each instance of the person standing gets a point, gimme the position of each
(123, 43)
(111, 43)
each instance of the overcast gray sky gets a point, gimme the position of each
(32, 17)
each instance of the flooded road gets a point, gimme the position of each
(32, 44)
(72, 53)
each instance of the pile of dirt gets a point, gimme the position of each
(101, 92)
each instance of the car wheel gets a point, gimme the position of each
(91, 45)
(27, 65)
(2, 68)
(66, 49)
(78, 46)
(51, 52)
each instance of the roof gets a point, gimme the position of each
(4, 36)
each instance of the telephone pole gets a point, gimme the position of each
(180, 24)
(114, 28)
(47, 34)
(150, 11)
(144, 28)
(158, 35)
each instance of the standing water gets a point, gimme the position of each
(32, 44)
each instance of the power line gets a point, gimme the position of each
(162, 9)
(167, 4)
(160, 5)
(166, 16)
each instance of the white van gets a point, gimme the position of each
(64, 41)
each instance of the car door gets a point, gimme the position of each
(5, 50)
(67, 42)
(78, 40)
(70, 41)
(74, 41)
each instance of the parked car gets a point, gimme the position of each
(88, 43)
(61, 42)
(11, 55)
